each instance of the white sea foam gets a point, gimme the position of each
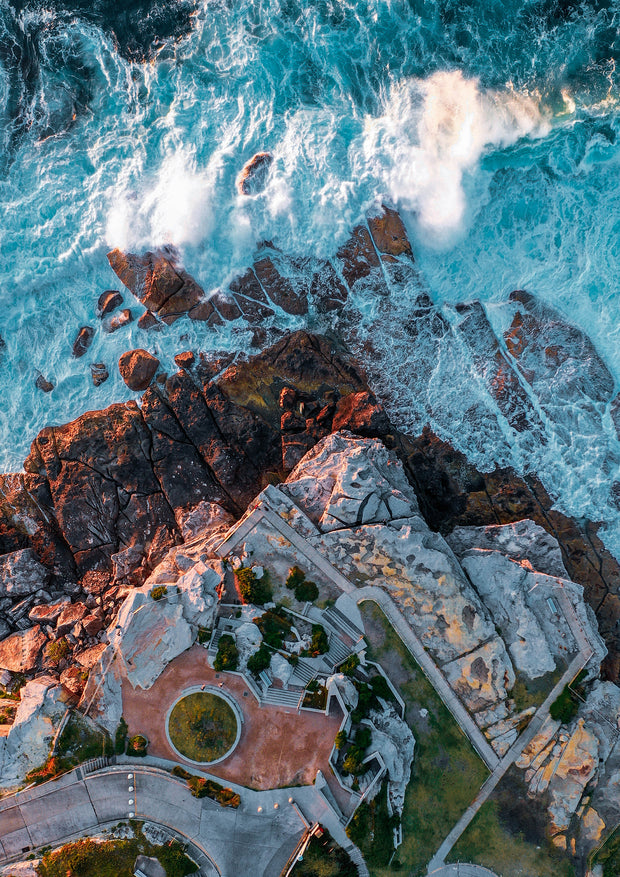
(433, 131)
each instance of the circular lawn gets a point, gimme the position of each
(203, 727)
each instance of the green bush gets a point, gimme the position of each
(158, 592)
(319, 644)
(252, 589)
(564, 707)
(349, 666)
(137, 746)
(120, 737)
(57, 650)
(227, 657)
(204, 635)
(363, 738)
(306, 592)
(274, 626)
(295, 577)
(381, 688)
(204, 788)
(260, 660)
(353, 761)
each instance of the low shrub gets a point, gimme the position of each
(227, 657)
(295, 577)
(204, 635)
(120, 737)
(57, 650)
(204, 788)
(349, 666)
(319, 644)
(340, 740)
(305, 590)
(260, 660)
(138, 746)
(158, 592)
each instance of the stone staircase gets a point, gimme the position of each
(95, 764)
(336, 653)
(283, 697)
(358, 860)
(303, 673)
(341, 623)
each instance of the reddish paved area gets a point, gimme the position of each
(278, 746)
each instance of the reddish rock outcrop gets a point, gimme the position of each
(83, 341)
(108, 302)
(137, 368)
(20, 652)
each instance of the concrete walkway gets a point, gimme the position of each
(463, 869)
(257, 838)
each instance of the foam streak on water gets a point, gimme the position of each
(492, 126)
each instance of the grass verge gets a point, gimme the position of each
(202, 726)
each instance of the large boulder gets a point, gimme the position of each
(152, 633)
(21, 574)
(393, 739)
(346, 481)
(137, 368)
(20, 652)
(27, 745)
(253, 176)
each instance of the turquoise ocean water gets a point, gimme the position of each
(493, 127)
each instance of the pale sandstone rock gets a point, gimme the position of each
(393, 738)
(522, 541)
(280, 668)
(421, 574)
(528, 608)
(248, 639)
(592, 825)
(539, 742)
(102, 696)
(21, 573)
(575, 769)
(20, 652)
(345, 481)
(21, 869)
(482, 676)
(198, 592)
(151, 634)
(206, 517)
(343, 689)
(27, 745)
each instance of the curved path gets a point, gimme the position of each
(462, 869)
(256, 839)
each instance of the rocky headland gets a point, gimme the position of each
(480, 565)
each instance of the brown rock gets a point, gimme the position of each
(389, 234)
(359, 260)
(99, 373)
(148, 320)
(69, 615)
(288, 397)
(204, 312)
(20, 652)
(89, 657)
(73, 680)
(291, 422)
(47, 613)
(43, 384)
(361, 413)
(253, 176)
(92, 624)
(280, 289)
(108, 302)
(226, 305)
(185, 360)
(117, 321)
(137, 368)
(83, 341)
(96, 581)
(294, 447)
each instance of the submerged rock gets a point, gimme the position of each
(43, 384)
(108, 302)
(83, 341)
(117, 321)
(99, 372)
(253, 176)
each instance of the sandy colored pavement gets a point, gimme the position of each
(278, 746)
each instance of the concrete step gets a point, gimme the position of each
(303, 673)
(95, 764)
(358, 860)
(337, 652)
(338, 620)
(282, 697)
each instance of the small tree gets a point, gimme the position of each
(306, 592)
(320, 643)
(120, 737)
(295, 577)
(349, 666)
(252, 589)
(227, 657)
(260, 660)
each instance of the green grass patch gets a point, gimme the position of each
(528, 692)
(202, 726)
(372, 830)
(564, 707)
(507, 845)
(608, 856)
(115, 858)
(446, 773)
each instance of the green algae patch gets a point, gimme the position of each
(202, 727)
